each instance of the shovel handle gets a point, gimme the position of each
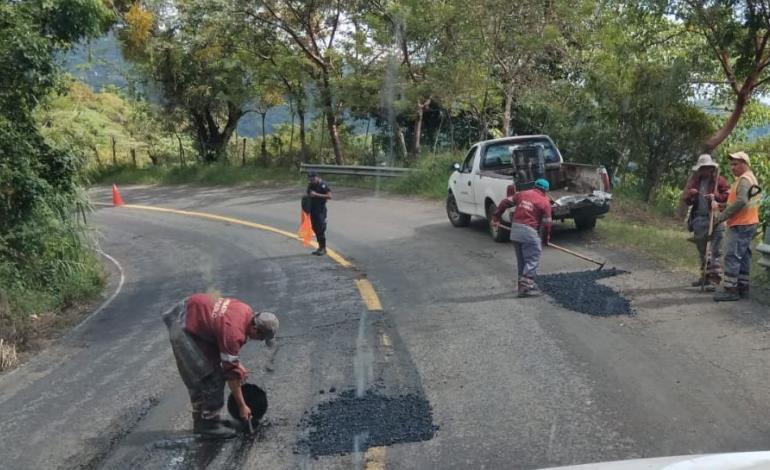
(573, 253)
(561, 248)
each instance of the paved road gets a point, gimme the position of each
(513, 383)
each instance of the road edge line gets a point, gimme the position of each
(111, 298)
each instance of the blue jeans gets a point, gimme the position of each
(737, 265)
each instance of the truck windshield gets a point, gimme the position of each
(500, 154)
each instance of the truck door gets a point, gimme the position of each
(462, 184)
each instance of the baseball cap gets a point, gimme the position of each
(543, 184)
(311, 174)
(267, 326)
(741, 156)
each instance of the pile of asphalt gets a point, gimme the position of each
(580, 292)
(348, 423)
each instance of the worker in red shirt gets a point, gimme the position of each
(530, 231)
(206, 335)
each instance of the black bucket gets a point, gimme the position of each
(255, 398)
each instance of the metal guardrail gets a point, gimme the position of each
(356, 170)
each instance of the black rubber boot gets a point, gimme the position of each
(730, 294)
(320, 252)
(211, 428)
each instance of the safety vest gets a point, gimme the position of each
(749, 215)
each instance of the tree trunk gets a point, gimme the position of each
(331, 124)
(264, 141)
(212, 143)
(181, 150)
(114, 154)
(98, 158)
(133, 157)
(302, 133)
(400, 142)
(243, 153)
(421, 105)
(483, 129)
(331, 119)
(291, 133)
(507, 113)
(438, 130)
(652, 175)
(740, 104)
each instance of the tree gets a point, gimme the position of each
(315, 29)
(736, 34)
(31, 34)
(269, 97)
(196, 53)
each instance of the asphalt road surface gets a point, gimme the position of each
(511, 383)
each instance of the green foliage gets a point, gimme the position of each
(87, 123)
(203, 63)
(759, 151)
(43, 259)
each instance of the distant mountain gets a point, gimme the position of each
(100, 63)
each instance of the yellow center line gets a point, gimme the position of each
(375, 458)
(366, 289)
(336, 257)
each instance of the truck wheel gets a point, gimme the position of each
(457, 218)
(585, 223)
(499, 234)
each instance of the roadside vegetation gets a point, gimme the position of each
(46, 262)
(639, 87)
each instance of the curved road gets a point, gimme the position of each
(512, 383)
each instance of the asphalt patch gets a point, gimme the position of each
(580, 292)
(347, 423)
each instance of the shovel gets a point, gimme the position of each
(578, 255)
(568, 251)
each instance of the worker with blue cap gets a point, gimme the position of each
(530, 231)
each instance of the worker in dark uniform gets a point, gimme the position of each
(319, 193)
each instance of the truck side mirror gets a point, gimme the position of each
(456, 166)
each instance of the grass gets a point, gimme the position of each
(634, 226)
(46, 293)
(429, 180)
(663, 244)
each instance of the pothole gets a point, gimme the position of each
(579, 291)
(348, 423)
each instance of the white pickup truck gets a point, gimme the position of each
(493, 169)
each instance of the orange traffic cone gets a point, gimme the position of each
(116, 199)
(305, 228)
